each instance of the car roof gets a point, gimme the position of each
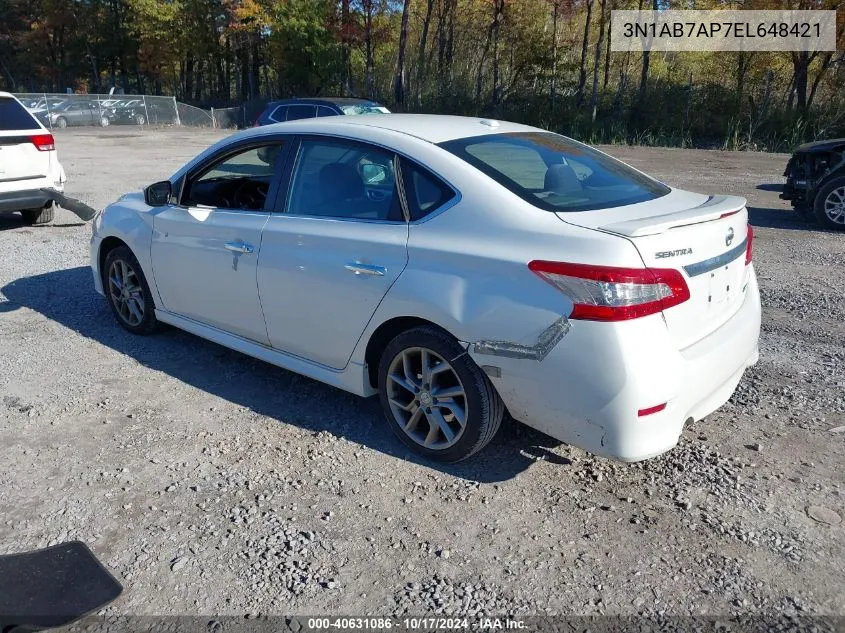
(321, 100)
(434, 128)
(821, 146)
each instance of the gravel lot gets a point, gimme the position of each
(212, 483)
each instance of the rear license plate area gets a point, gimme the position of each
(722, 288)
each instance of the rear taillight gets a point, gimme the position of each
(43, 142)
(605, 293)
(750, 238)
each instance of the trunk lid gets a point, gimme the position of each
(703, 237)
(19, 158)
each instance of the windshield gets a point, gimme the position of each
(364, 108)
(556, 173)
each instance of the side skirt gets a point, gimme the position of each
(353, 379)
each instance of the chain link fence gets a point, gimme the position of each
(70, 110)
(241, 116)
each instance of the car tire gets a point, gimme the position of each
(39, 216)
(134, 309)
(829, 206)
(140, 119)
(61, 122)
(104, 121)
(424, 410)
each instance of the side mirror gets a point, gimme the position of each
(157, 194)
(373, 174)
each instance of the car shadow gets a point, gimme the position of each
(67, 297)
(11, 220)
(771, 186)
(788, 219)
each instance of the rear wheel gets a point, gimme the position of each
(128, 292)
(435, 398)
(104, 121)
(61, 122)
(140, 119)
(39, 216)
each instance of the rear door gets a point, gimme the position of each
(20, 158)
(705, 238)
(328, 260)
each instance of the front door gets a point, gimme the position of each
(205, 250)
(328, 260)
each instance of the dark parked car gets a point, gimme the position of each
(78, 112)
(815, 182)
(293, 109)
(141, 112)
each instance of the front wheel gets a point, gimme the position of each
(61, 122)
(104, 121)
(435, 398)
(140, 119)
(830, 204)
(128, 292)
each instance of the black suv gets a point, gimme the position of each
(815, 181)
(293, 109)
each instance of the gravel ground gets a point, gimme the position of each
(212, 483)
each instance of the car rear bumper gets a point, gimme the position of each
(20, 200)
(589, 389)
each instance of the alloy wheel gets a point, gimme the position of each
(126, 293)
(426, 397)
(834, 205)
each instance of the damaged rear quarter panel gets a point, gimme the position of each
(468, 270)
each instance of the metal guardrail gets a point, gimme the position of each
(56, 110)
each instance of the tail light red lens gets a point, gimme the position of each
(748, 245)
(606, 293)
(43, 142)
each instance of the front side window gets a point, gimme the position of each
(324, 111)
(555, 173)
(237, 181)
(301, 112)
(341, 179)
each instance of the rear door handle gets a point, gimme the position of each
(366, 269)
(239, 247)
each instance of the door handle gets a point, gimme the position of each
(366, 269)
(239, 247)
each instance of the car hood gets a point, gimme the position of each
(821, 146)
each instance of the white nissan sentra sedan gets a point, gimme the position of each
(456, 267)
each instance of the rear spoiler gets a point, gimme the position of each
(714, 208)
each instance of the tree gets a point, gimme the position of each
(399, 77)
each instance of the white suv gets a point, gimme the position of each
(29, 163)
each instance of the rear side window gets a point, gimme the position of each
(424, 191)
(13, 116)
(555, 173)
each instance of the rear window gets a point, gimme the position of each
(556, 173)
(13, 116)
